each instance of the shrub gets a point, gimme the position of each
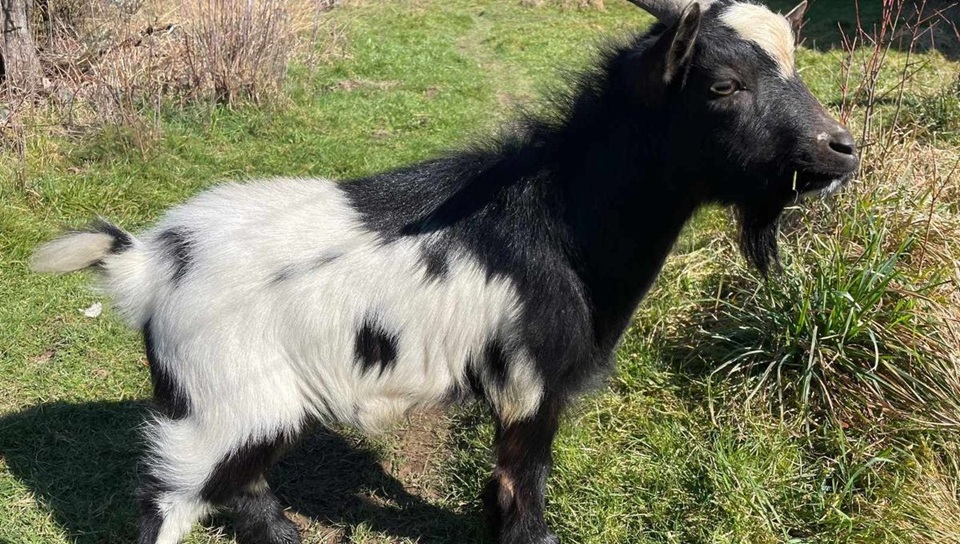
(113, 61)
(238, 49)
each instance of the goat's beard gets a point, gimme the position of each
(759, 226)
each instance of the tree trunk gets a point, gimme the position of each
(21, 65)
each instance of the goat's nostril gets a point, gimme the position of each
(843, 148)
(843, 143)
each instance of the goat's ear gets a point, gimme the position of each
(674, 48)
(795, 18)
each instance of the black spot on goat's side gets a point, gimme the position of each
(240, 468)
(435, 260)
(493, 363)
(284, 274)
(177, 244)
(375, 347)
(469, 389)
(326, 258)
(475, 382)
(495, 358)
(295, 270)
(169, 398)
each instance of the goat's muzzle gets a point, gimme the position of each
(832, 161)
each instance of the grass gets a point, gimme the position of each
(725, 422)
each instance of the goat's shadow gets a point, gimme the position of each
(80, 462)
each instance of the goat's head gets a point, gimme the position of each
(747, 125)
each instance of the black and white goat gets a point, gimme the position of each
(506, 274)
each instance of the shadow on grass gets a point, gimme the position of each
(828, 21)
(80, 461)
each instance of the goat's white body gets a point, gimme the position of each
(254, 351)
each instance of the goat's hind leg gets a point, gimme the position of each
(515, 497)
(189, 474)
(239, 484)
(173, 474)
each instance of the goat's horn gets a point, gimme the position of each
(666, 10)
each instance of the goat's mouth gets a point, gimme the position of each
(810, 182)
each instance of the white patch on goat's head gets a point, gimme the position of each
(769, 30)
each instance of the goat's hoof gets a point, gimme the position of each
(547, 539)
(276, 531)
(528, 537)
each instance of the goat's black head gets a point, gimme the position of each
(740, 119)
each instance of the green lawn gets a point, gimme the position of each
(668, 453)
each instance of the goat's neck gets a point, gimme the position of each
(624, 209)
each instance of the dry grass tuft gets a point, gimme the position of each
(109, 62)
(240, 50)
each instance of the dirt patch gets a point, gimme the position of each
(342, 487)
(420, 451)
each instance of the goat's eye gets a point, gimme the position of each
(725, 88)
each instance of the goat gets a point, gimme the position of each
(505, 273)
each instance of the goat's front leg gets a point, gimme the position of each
(514, 498)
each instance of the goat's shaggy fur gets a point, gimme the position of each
(505, 274)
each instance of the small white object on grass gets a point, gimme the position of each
(94, 310)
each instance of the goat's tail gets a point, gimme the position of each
(119, 256)
(79, 249)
